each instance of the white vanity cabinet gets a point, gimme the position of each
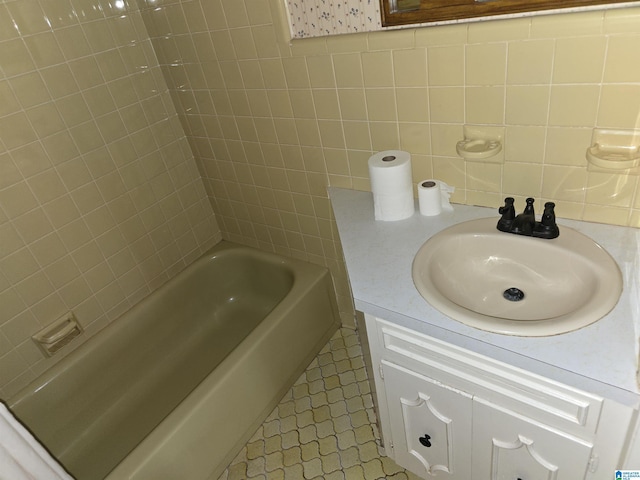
(511, 446)
(450, 413)
(429, 424)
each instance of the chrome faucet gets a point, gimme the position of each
(525, 223)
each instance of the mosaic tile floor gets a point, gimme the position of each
(324, 427)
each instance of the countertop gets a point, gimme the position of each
(601, 358)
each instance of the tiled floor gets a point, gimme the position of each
(324, 428)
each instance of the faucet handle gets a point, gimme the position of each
(549, 216)
(508, 215)
(548, 227)
(508, 212)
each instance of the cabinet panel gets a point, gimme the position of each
(430, 424)
(573, 410)
(508, 446)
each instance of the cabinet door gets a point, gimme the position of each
(430, 424)
(507, 446)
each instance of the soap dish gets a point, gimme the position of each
(614, 151)
(614, 157)
(478, 148)
(481, 143)
(58, 334)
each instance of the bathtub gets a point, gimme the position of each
(175, 387)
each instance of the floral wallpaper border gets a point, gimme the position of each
(315, 18)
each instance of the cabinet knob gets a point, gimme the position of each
(425, 441)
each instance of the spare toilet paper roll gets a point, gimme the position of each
(433, 197)
(391, 185)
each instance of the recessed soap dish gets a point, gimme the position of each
(58, 334)
(614, 157)
(481, 143)
(478, 148)
(614, 150)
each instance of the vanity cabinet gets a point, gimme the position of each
(449, 413)
(430, 424)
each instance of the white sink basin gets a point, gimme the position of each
(467, 271)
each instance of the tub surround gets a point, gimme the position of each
(601, 358)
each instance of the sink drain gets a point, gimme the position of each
(513, 294)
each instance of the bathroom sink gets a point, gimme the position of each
(514, 284)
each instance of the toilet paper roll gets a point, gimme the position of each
(391, 185)
(433, 197)
(429, 199)
(392, 207)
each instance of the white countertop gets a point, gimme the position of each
(601, 357)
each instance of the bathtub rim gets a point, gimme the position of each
(79, 352)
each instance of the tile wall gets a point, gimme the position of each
(273, 122)
(100, 198)
(270, 123)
